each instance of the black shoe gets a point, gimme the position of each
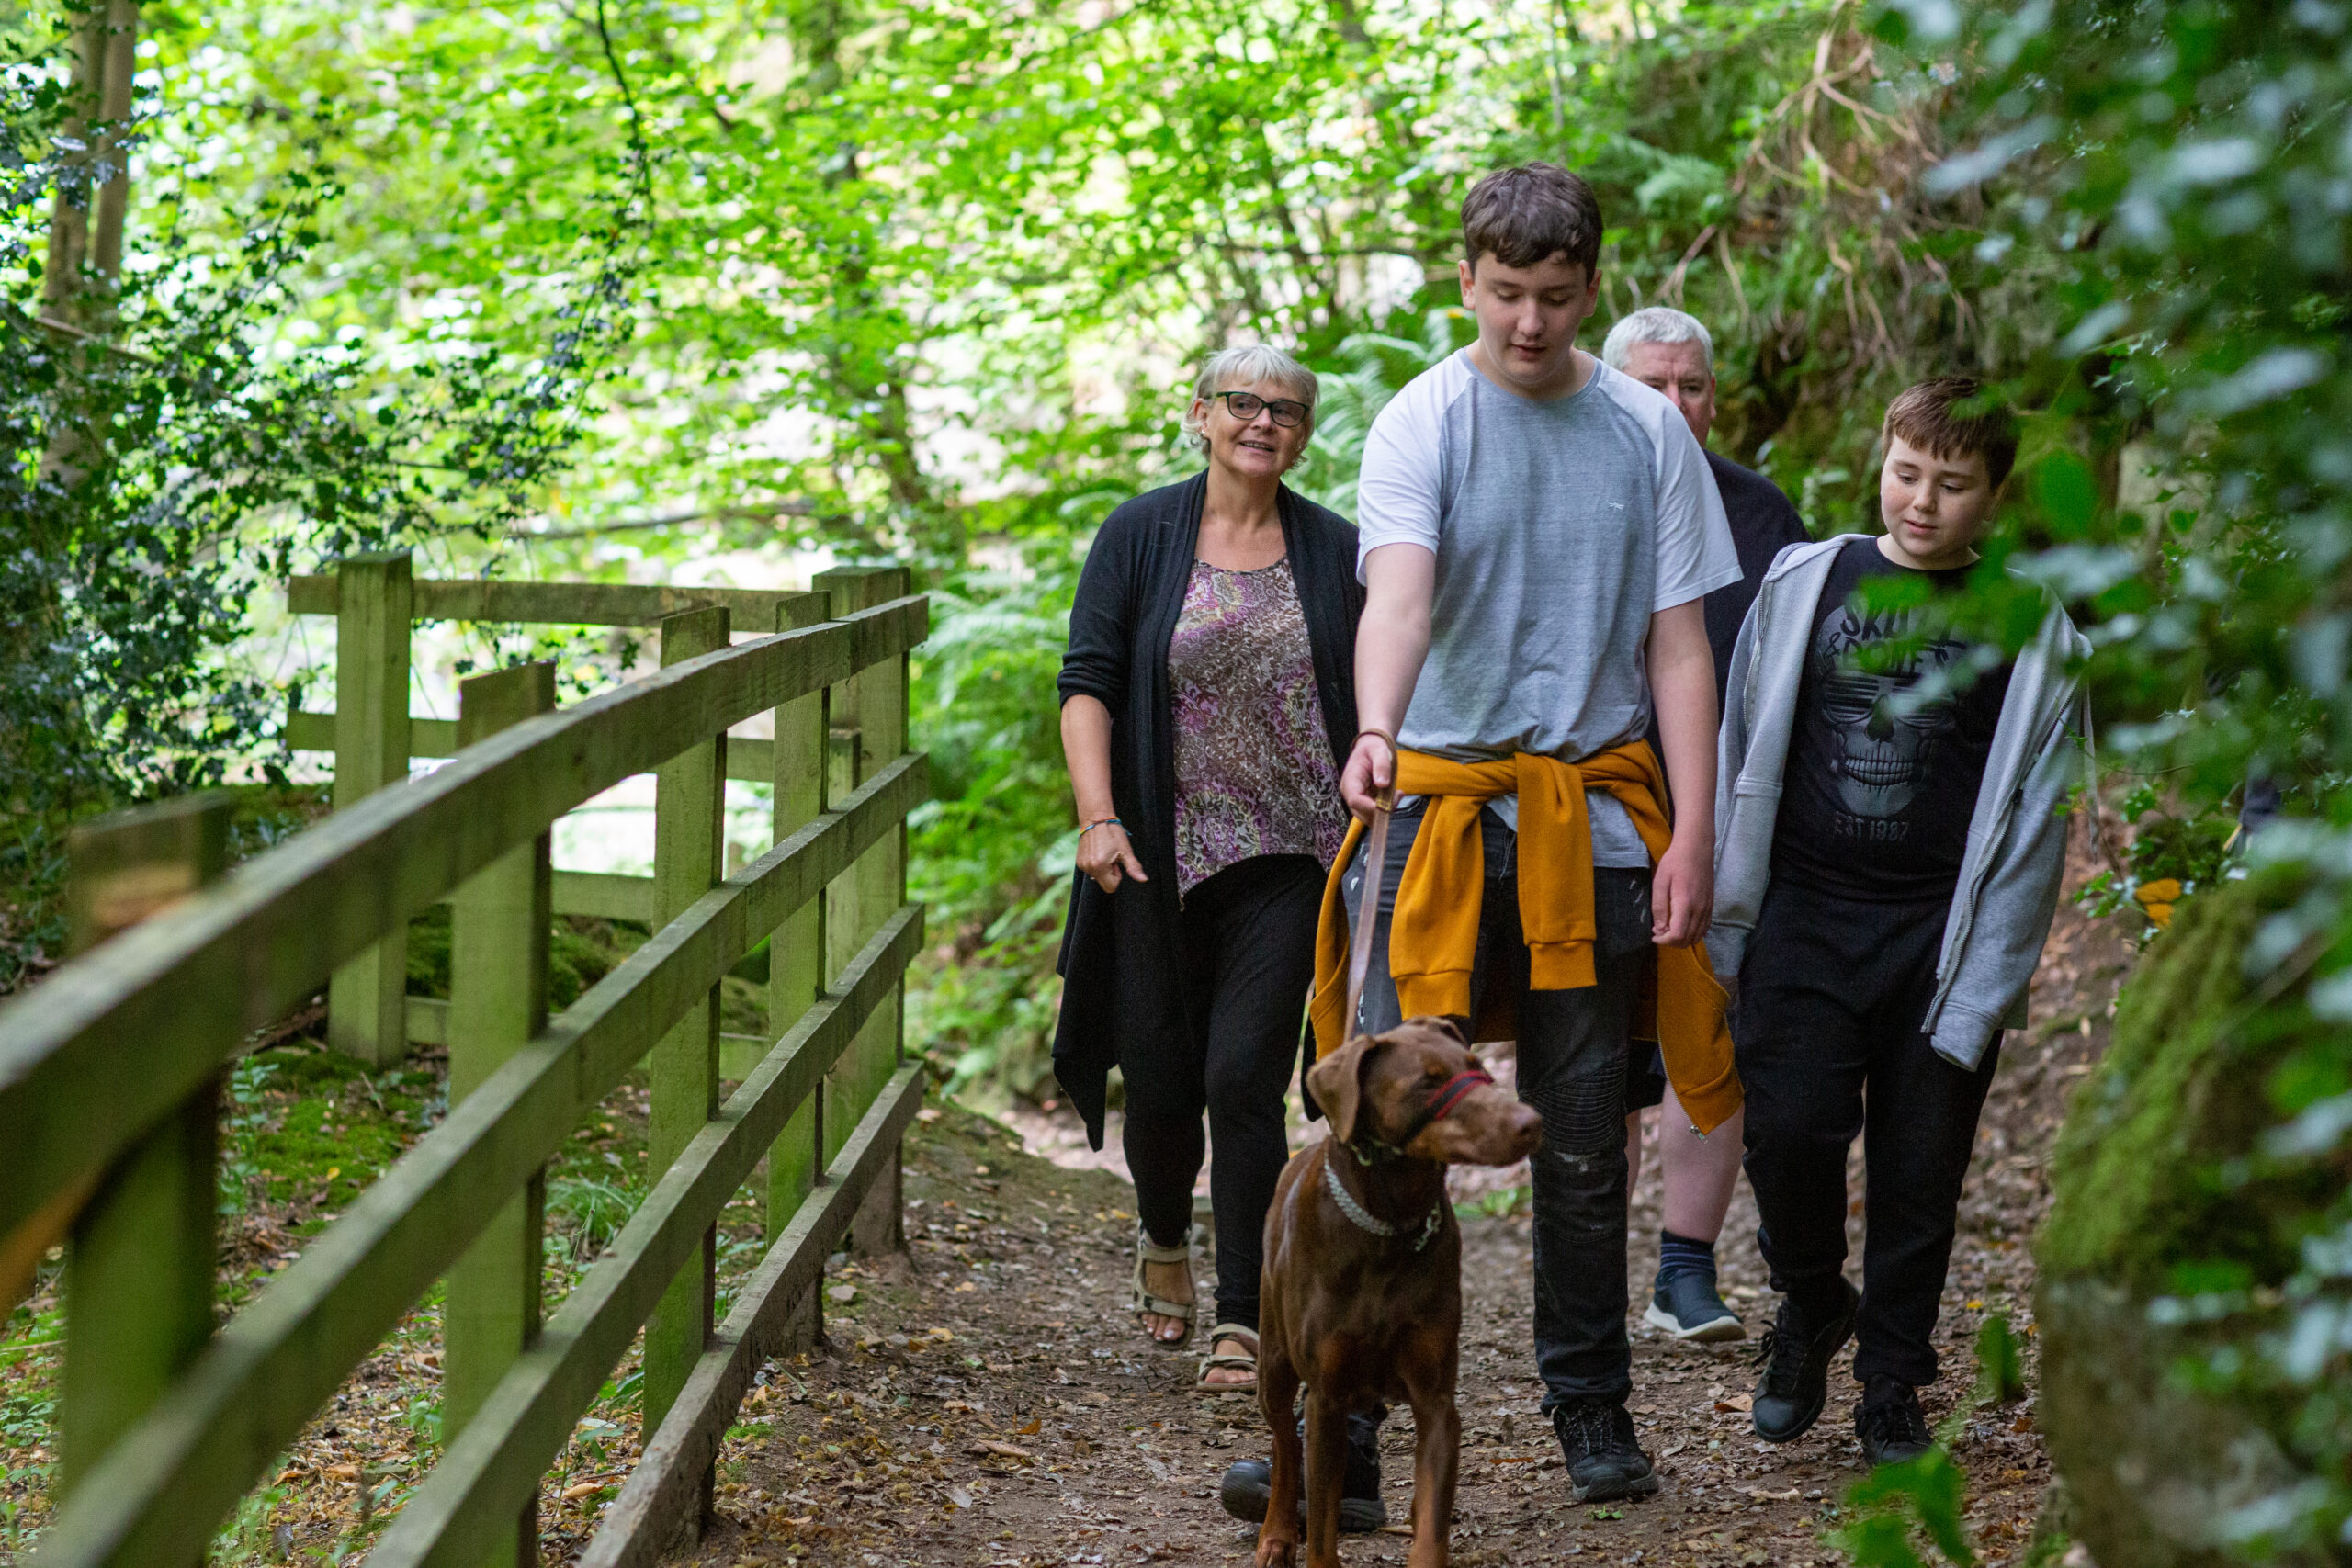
(1604, 1461)
(1248, 1483)
(1796, 1353)
(1892, 1426)
(1686, 1307)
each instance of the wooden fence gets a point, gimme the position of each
(109, 1069)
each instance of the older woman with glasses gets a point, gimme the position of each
(1208, 703)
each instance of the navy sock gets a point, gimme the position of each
(1679, 1255)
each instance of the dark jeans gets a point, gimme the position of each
(1249, 962)
(1831, 996)
(1572, 1070)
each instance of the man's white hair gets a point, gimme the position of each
(1229, 368)
(1656, 323)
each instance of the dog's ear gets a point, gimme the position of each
(1337, 1083)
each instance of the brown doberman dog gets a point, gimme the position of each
(1361, 1295)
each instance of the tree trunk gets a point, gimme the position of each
(85, 226)
(86, 255)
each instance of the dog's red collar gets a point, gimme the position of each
(1455, 1090)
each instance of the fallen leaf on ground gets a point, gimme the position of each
(990, 1446)
(1035, 1422)
(1743, 1403)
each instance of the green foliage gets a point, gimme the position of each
(2174, 853)
(1501, 1204)
(593, 1210)
(1895, 1506)
(245, 1119)
(2000, 1363)
(178, 432)
(995, 848)
(2200, 1167)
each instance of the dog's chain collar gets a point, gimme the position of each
(1366, 1219)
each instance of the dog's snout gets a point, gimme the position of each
(1492, 1127)
(1526, 1130)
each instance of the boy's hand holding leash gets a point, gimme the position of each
(1369, 780)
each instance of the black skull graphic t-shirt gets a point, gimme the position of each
(1877, 796)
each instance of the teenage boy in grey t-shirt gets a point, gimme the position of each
(1538, 532)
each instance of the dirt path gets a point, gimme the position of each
(984, 1401)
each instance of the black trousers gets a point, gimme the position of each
(1248, 963)
(1832, 993)
(1572, 1047)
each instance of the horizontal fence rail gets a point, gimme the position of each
(98, 1063)
(569, 603)
(306, 731)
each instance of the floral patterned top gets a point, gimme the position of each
(1254, 774)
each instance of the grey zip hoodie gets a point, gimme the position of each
(2016, 838)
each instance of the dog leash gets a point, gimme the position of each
(1376, 862)
(1448, 1095)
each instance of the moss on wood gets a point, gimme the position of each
(2150, 1186)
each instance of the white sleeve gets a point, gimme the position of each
(1397, 488)
(1695, 553)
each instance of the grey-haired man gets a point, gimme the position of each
(1672, 351)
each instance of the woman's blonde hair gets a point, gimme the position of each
(1241, 368)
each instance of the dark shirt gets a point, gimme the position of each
(1763, 523)
(1876, 800)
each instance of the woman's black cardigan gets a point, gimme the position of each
(1124, 944)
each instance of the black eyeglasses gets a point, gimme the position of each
(1247, 406)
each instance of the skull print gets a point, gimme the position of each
(1882, 746)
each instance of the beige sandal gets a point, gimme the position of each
(1220, 1360)
(1142, 1303)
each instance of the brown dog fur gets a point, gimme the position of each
(1361, 1318)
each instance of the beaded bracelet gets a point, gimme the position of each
(1100, 822)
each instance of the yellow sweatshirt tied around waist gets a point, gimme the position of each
(1433, 936)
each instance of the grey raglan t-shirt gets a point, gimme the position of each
(1559, 527)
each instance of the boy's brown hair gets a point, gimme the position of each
(1529, 214)
(1923, 417)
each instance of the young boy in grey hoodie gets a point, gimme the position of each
(1886, 870)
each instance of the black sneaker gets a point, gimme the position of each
(1892, 1426)
(1250, 1482)
(1796, 1355)
(1604, 1461)
(1686, 1307)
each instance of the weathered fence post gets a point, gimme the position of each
(366, 1001)
(139, 1267)
(797, 966)
(869, 718)
(498, 1000)
(689, 839)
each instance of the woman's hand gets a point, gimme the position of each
(1104, 854)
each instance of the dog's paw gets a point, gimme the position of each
(1277, 1549)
